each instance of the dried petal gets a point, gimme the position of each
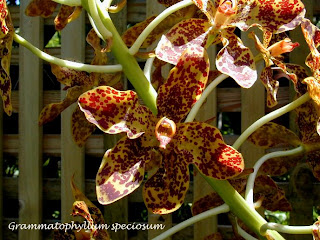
(236, 60)
(53, 110)
(43, 8)
(81, 129)
(115, 111)
(184, 85)
(186, 34)
(121, 170)
(202, 145)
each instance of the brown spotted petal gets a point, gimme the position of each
(274, 16)
(236, 60)
(185, 84)
(208, 7)
(43, 8)
(271, 85)
(81, 129)
(307, 118)
(273, 197)
(280, 165)
(5, 55)
(121, 170)
(66, 15)
(312, 36)
(164, 192)
(313, 159)
(273, 135)
(4, 14)
(115, 111)
(316, 230)
(70, 77)
(202, 145)
(313, 89)
(297, 74)
(186, 34)
(53, 110)
(85, 208)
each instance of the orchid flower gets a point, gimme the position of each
(159, 145)
(312, 36)
(272, 56)
(274, 135)
(6, 38)
(45, 8)
(78, 82)
(234, 59)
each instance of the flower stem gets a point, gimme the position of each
(240, 207)
(267, 118)
(221, 209)
(258, 164)
(287, 229)
(192, 114)
(129, 64)
(139, 41)
(65, 63)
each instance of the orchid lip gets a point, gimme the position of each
(165, 130)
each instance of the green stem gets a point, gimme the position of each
(287, 229)
(65, 63)
(192, 114)
(129, 64)
(240, 207)
(267, 118)
(72, 3)
(258, 164)
(215, 211)
(139, 41)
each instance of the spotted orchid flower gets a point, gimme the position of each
(78, 82)
(6, 39)
(160, 145)
(274, 135)
(45, 8)
(223, 16)
(312, 36)
(272, 57)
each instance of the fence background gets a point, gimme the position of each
(36, 163)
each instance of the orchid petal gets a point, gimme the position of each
(43, 8)
(188, 33)
(164, 192)
(81, 129)
(185, 84)
(271, 85)
(121, 170)
(66, 15)
(313, 89)
(70, 77)
(4, 30)
(5, 56)
(208, 7)
(273, 135)
(53, 110)
(297, 74)
(115, 111)
(236, 60)
(280, 165)
(273, 197)
(100, 57)
(202, 145)
(132, 33)
(275, 16)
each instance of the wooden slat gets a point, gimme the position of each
(30, 151)
(72, 156)
(252, 108)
